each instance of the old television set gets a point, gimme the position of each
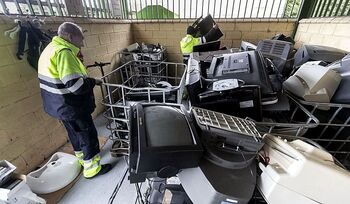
(279, 52)
(227, 173)
(249, 67)
(163, 140)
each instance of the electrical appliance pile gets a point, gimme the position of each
(241, 134)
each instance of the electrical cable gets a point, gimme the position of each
(117, 187)
(139, 194)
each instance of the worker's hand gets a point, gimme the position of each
(98, 82)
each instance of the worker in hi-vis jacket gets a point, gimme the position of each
(189, 41)
(67, 94)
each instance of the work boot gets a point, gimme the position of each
(104, 169)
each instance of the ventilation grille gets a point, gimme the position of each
(266, 47)
(225, 122)
(278, 49)
(274, 48)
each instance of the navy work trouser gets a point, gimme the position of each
(83, 136)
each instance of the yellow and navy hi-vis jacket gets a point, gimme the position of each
(66, 90)
(187, 43)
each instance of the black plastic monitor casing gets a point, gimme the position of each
(249, 66)
(146, 161)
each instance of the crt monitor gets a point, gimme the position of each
(163, 140)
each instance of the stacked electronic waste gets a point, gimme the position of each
(13, 187)
(235, 125)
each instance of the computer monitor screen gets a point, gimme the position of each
(166, 126)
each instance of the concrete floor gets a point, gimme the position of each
(99, 189)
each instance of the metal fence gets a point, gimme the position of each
(155, 9)
(76, 8)
(219, 9)
(329, 8)
(178, 9)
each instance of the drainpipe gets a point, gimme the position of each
(307, 7)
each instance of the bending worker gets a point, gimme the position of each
(187, 43)
(67, 94)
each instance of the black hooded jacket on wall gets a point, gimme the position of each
(37, 41)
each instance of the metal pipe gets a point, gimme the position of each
(151, 16)
(273, 3)
(246, 6)
(50, 7)
(157, 9)
(291, 12)
(321, 8)
(18, 8)
(109, 12)
(184, 9)
(339, 5)
(137, 18)
(214, 8)
(239, 8)
(333, 6)
(251, 12)
(233, 7)
(41, 8)
(130, 11)
(31, 8)
(326, 9)
(85, 8)
(345, 5)
(257, 14)
(299, 12)
(4, 7)
(226, 8)
(279, 6)
(265, 8)
(92, 11)
(208, 6)
(179, 8)
(104, 11)
(190, 8)
(99, 9)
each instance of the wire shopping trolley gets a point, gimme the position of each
(294, 122)
(333, 130)
(158, 54)
(139, 81)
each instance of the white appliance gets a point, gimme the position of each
(298, 172)
(58, 172)
(313, 82)
(19, 193)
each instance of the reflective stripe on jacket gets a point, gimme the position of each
(66, 90)
(188, 42)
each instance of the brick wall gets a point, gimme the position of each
(333, 32)
(27, 134)
(170, 33)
